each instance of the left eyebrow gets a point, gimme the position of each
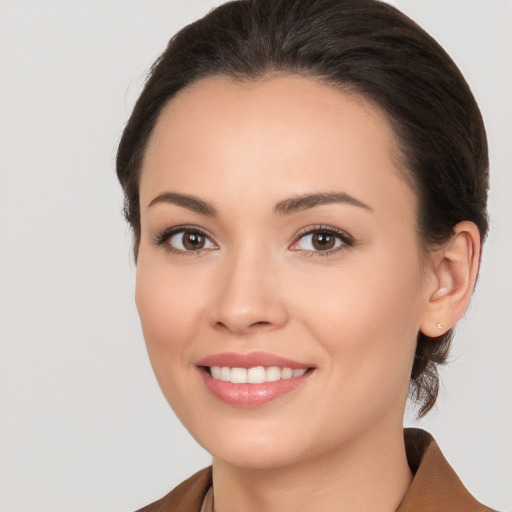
(190, 202)
(304, 202)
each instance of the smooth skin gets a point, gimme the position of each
(260, 283)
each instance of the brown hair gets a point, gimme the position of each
(364, 46)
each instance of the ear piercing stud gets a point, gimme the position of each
(439, 326)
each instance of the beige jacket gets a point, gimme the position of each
(435, 487)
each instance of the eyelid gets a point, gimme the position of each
(346, 238)
(162, 237)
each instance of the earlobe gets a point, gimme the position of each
(455, 269)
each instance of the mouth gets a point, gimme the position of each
(254, 375)
(250, 380)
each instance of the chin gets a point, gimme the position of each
(246, 445)
(259, 455)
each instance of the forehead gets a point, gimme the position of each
(277, 136)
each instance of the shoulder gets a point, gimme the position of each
(186, 497)
(435, 485)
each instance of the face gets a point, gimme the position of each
(279, 278)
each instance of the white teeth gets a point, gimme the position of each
(273, 374)
(238, 375)
(256, 375)
(286, 373)
(215, 372)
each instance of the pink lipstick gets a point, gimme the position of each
(250, 380)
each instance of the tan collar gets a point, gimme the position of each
(208, 501)
(435, 486)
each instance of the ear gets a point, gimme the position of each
(454, 272)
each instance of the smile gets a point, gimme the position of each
(255, 375)
(252, 380)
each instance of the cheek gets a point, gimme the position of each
(169, 309)
(366, 317)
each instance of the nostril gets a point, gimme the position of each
(251, 327)
(260, 324)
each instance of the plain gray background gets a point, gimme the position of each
(83, 424)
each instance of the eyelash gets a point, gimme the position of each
(347, 240)
(162, 238)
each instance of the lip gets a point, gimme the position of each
(236, 360)
(251, 395)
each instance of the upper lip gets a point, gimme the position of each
(251, 360)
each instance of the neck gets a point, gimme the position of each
(370, 473)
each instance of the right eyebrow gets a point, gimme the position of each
(186, 201)
(304, 202)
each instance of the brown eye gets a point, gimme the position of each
(193, 241)
(186, 241)
(323, 241)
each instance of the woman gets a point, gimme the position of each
(306, 181)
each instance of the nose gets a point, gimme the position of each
(249, 297)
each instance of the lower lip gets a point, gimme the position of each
(251, 395)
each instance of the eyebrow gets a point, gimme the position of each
(285, 207)
(186, 201)
(306, 201)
